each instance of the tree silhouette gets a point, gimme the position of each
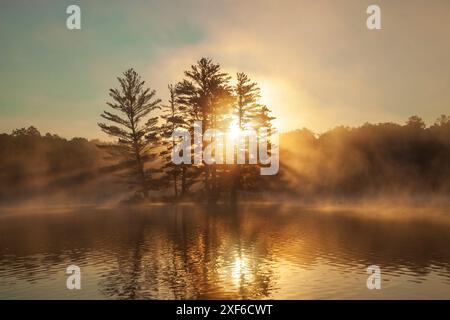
(135, 135)
(30, 132)
(205, 94)
(172, 119)
(416, 122)
(247, 94)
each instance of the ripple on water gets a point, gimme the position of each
(254, 253)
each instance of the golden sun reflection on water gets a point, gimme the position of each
(257, 252)
(240, 271)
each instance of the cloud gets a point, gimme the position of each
(323, 63)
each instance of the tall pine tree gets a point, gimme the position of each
(135, 132)
(172, 118)
(204, 93)
(247, 94)
(246, 109)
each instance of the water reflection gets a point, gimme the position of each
(187, 252)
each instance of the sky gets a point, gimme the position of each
(317, 63)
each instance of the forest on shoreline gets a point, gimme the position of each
(373, 160)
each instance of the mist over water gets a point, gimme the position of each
(249, 251)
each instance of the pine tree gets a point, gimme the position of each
(246, 112)
(172, 119)
(204, 94)
(247, 94)
(136, 133)
(262, 120)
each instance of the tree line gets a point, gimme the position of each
(402, 161)
(383, 159)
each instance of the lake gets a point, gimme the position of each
(253, 251)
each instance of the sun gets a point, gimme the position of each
(233, 130)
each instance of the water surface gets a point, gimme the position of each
(250, 252)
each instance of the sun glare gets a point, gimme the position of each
(240, 270)
(234, 131)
